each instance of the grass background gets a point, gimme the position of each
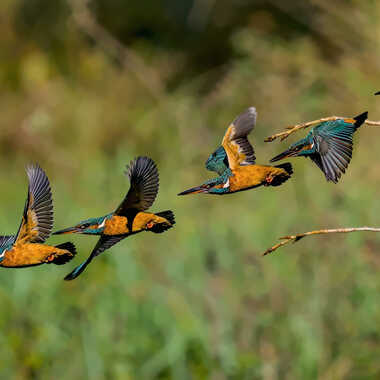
(87, 87)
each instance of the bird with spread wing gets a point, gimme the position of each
(130, 217)
(235, 163)
(329, 145)
(26, 248)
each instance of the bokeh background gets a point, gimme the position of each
(87, 86)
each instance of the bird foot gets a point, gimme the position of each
(50, 258)
(268, 180)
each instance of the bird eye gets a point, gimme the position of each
(83, 226)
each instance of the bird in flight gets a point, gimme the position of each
(235, 162)
(130, 217)
(329, 145)
(26, 248)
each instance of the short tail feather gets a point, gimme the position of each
(159, 228)
(63, 259)
(281, 178)
(360, 119)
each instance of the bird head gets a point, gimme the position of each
(303, 147)
(92, 226)
(217, 161)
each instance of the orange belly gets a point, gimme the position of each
(117, 225)
(246, 177)
(30, 254)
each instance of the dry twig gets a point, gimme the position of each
(293, 128)
(295, 238)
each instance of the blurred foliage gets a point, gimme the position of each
(86, 87)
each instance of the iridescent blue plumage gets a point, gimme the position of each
(91, 226)
(217, 161)
(328, 145)
(6, 243)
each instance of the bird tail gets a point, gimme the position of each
(162, 227)
(168, 214)
(284, 175)
(360, 119)
(65, 258)
(78, 270)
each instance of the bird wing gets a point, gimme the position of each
(5, 241)
(217, 161)
(235, 142)
(37, 219)
(334, 144)
(143, 176)
(105, 242)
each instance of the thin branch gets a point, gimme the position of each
(294, 128)
(86, 21)
(295, 238)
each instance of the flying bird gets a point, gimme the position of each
(329, 145)
(130, 217)
(26, 248)
(234, 161)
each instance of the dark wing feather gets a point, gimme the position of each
(143, 175)
(334, 145)
(235, 142)
(37, 219)
(105, 242)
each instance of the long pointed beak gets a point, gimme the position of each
(195, 190)
(70, 230)
(288, 153)
(377, 93)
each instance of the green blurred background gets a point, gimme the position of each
(85, 87)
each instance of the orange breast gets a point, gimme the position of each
(117, 225)
(29, 254)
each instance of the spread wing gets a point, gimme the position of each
(235, 142)
(37, 219)
(143, 175)
(335, 144)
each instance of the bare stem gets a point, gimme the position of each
(295, 238)
(294, 128)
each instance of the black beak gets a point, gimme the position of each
(70, 230)
(288, 153)
(195, 190)
(377, 93)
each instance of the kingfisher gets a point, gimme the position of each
(329, 145)
(130, 217)
(234, 161)
(26, 248)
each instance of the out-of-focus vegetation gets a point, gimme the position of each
(86, 87)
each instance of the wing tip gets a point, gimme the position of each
(245, 121)
(141, 166)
